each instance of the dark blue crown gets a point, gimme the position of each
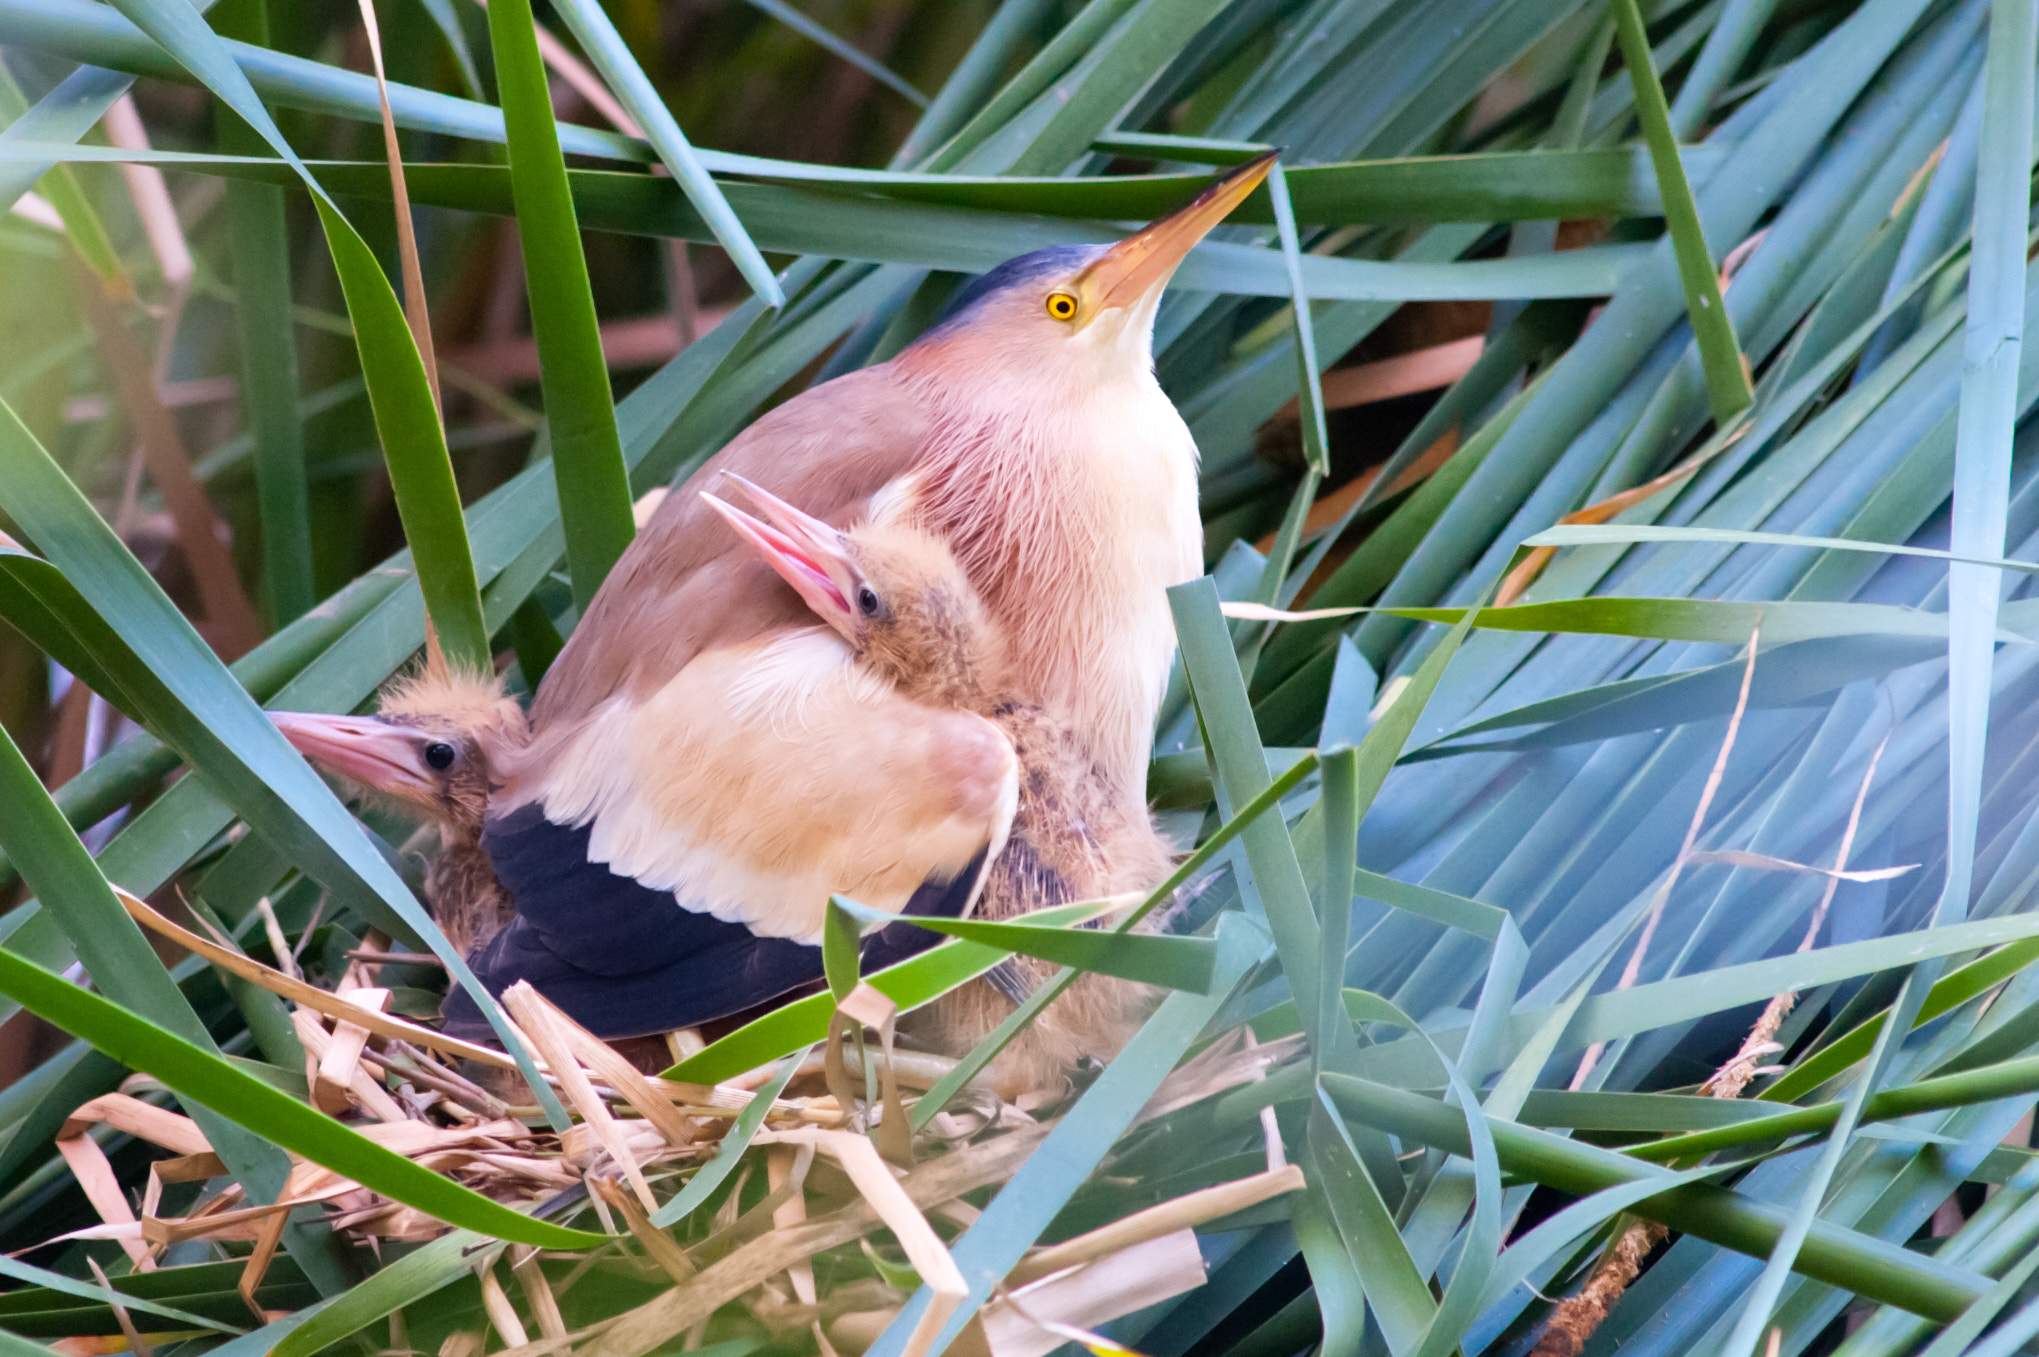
(1055, 261)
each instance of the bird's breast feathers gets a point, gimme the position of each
(764, 777)
(1096, 515)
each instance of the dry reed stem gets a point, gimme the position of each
(416, 312)
(1576, 1317)
(1733, 1077)
(232, 624)
(609, 1065)
(310, 996)
(257, 1266)
(1656, 913)
(532, 1016)
(135, 1342)
(1524, 574)
(538, 1293)
(1180, 1213)
(882, 1192)
(667, 1316)
(658, 1244)
(495, 1303)
(158, 213)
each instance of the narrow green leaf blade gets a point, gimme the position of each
(580, 412)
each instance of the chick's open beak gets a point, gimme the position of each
(1143, 261)
(807, 553)
(376, 754)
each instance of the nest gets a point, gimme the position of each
(831, 1136)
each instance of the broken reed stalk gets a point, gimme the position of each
(1181, 1213)
(1576, 1317)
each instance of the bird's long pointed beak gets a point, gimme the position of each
(806, 552)
(1143, 262)
(373, 753)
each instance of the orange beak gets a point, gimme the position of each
(374, 753)
(1143, 262)
(808, 554)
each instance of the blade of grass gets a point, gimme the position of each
(81, 221)
(734, 1142)
(447, 21)
(580, 412)
(1845, 1258)
(66, 113)
(260, 248)
(1239, 766)
(814, 32)
(909, 984)
(1981, 499)
(404, 1282)
(421, 472)
(973, 80)
(987, 1050)
(1720, 354)
(173, 677)
(416, 311)
(1151, 959)
(31, 1275)
(1030, 1201)
(1727, 46)
(57, 867)
(1990, 401)
(1316, 440)
(216, 1084)
(605, 47)
(1395, 1287)
(1604, 534)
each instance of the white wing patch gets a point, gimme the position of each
(761, 779)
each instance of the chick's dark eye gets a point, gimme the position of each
(439, 755)
(867, 601)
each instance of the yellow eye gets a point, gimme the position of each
(1061, 306)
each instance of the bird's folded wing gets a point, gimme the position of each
(765, 777)
(689, 584)
(624, 961)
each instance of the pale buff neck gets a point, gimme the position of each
(1073, 579)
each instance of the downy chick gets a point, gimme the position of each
(898, 597)
(431, 749)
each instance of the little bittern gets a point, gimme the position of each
(697, 715)
(432, 750)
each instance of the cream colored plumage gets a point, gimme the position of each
(766, 777)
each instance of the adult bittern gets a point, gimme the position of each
(900, 601)
(432, 749)
(1026, 432)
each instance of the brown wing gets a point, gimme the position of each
(688, 584)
